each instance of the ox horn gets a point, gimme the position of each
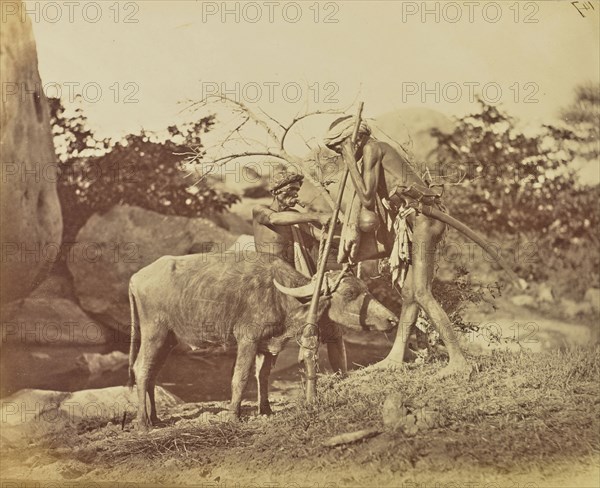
(301, 291)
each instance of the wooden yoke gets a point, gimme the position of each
(309, 342)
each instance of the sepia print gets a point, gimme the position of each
(280, 244)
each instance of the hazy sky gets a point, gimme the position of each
(384, 52)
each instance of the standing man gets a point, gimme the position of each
(282, 231)
(386, 186)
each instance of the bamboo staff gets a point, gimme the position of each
(310, 341)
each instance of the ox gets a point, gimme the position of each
(257, 300)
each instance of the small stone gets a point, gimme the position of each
(428, 418)
(592, 296)
(573, 309)
(545, 293)
(410, 426)
(523, 301)
(394, 411)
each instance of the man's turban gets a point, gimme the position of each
(283, 179)
(343, 128)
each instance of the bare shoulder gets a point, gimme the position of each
(261, 213)
(380, 146)
(373, 151)
(262, 209)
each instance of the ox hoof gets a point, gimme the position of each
(144, 426)
(265, 410)
(458, 368)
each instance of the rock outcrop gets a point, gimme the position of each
(51, 321)
(32, 413)
(111, 247)
(30, 210)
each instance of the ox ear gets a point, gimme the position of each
(300, 313)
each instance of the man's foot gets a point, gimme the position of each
(458, 367)
(387, 363)
(231, 416)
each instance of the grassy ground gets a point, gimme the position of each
(521, 418)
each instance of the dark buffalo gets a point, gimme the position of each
(257, 300)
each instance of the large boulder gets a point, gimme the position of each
(232, 222)
(111, 247)
(29, 206)
(51, 321)
(31, 414)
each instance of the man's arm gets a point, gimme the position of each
(267, 216)
(366, 186)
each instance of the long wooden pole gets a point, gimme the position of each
(310, 341)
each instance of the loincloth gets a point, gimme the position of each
(400, 256)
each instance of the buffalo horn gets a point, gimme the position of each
(301, 291)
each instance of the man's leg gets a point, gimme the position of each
(408, 316)
(426, 236)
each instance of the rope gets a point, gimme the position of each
(322, 243)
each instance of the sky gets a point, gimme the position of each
(148, 56)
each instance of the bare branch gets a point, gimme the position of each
(244, 108)
(272, 118)
(234, 131)
(245, 154)
(278, 139)
(298, 118)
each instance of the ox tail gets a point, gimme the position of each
(135, 337)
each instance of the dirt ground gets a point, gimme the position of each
(521, 420)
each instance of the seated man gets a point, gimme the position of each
(282, 231)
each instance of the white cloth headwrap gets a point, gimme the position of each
(344, 129)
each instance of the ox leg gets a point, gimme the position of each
(161, 357)
(141, 378)
(336, 350)
(264, 362)
(144, 369)
(246, 351)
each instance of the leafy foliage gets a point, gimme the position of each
(138, 170)
(584, 116)
(521, 186)
(72, 137)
